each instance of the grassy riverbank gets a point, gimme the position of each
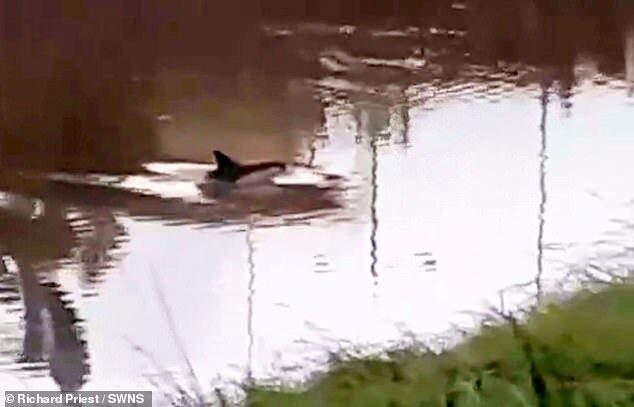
(579, 352)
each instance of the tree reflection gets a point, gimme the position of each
(51, 325)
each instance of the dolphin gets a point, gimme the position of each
(229, 170)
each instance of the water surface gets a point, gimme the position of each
(475, 172)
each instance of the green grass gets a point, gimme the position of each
(578, 352)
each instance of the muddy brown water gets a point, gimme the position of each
(477, 169)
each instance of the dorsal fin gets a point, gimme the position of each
(226, 165)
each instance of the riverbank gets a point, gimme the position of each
(576, 352)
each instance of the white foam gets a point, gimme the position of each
(183, 170)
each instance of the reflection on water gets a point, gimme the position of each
(51, 327)
(439, 138)
(250, 333)
(542, 191)
(629, 57)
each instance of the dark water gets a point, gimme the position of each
(483, 150)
